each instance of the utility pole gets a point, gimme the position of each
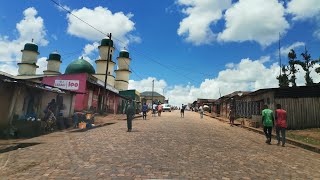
(280, 54)
(104, 100)
(152, 92)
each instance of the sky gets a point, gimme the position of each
(190, 48)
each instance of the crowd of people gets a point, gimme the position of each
(269, 119)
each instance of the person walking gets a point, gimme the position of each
(231, 116)
(154, 109)
(268, 122)
(144, 111)
(281, 124)
(130, 115)
(201, 112)
(159, 109)
(182, 111)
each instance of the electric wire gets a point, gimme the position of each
(117, 39)
(130, 68)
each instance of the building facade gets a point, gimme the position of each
(147, 96)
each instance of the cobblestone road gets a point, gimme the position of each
(167, 147)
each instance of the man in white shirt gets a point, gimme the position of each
(154, 109)
(201, 112)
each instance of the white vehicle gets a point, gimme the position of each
(166, 107)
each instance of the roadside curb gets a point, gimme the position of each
(288, 140)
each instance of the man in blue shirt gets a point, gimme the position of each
(144, 111)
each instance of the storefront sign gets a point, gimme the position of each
(67, 84)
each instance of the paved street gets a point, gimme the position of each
(166, 147)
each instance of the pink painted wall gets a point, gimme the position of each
(81, 101)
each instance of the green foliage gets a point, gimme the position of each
(283, 78)
(292, 69)
(306, 65)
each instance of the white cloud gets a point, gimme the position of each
(201, 14)
(247, 75)
(300, 75)
(55, 37)
(317, 34)
(9, 67)
(42, 63)
(254, 20)
(286, 49)
(303, 9)
(90, 52)
(30, 27)
(90, 48)
(63, 8)
(146, 85)
(104, 20)
(230, 65)
(264, 59)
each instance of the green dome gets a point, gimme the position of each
(124, 54)
(30, 47)
(55, 56)
(79, 66)
(106, 42)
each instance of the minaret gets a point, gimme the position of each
(102, 62)
(53, 67)
(28, 64)
(123, 72)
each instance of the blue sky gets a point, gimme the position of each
(202, 45)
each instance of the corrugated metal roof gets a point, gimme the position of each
(149, 93)
(291, 92)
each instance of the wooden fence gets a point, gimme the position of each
(302, 113)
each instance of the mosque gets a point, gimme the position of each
(81, 77)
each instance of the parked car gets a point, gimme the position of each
(166, 107)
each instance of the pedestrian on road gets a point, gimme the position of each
(144, 111)
(231, 116)
(201, 112)
(268, 122)
(281, 124)
(154, 109)
(159, 109)
(130, 115)
(182, 110)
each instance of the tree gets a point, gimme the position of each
(318, 68)
(306, 65)
(283, 78)
(292, 69)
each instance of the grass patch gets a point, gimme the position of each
(303, 138)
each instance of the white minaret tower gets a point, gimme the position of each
(53, 67)
(123, 71)
(102, 62)
(28, 64)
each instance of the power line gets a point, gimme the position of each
(130, 68)
(137, 51)
(58, 4)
